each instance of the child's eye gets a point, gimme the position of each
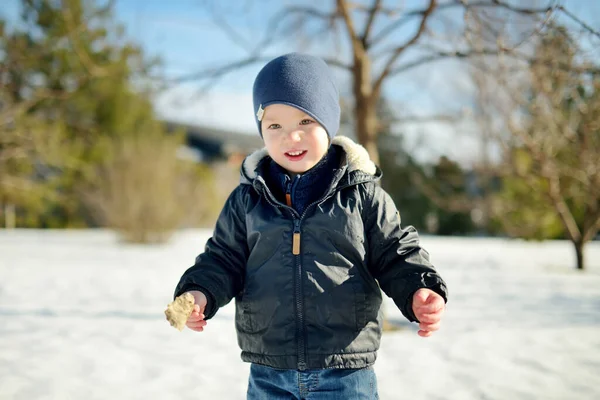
(274, 126)
(306, 121)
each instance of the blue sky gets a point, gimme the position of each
(188, 38)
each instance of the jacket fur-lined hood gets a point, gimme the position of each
(357, 159)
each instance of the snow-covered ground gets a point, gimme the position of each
(81, 317)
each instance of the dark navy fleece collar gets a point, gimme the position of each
(305, 188)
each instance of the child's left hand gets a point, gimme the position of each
(428, 307)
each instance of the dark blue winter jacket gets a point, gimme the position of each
(307, 285)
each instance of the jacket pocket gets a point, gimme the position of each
(360, 305)
(243, 314)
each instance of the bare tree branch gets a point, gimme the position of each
(437, 57)
(484, 26)
(565, 214)
(506, 6)
(580, 22)
(446, 118)
(593, 228)
(407, 16)
(337, 63)
(369, 25)
(272, 28)
(233, 35)
(441, 55)
(357, 44)
(313, 12)
(221, 70)
(389, 11)
(400, 49)
(216, 72)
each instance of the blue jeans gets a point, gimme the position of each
(266, 383)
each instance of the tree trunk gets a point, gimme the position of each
(365, 106)
(579, 248)
(366, 127)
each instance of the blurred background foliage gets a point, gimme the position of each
(82, 146)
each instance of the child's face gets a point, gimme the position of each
(293, 139)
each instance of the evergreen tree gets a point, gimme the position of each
(68, 73)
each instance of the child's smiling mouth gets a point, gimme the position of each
(295, 155)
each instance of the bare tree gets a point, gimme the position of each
(549, 135)
(378, 51)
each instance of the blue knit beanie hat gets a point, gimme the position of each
(301, 81)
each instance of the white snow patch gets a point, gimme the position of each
(82, 317)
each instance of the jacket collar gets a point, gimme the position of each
(358, 165)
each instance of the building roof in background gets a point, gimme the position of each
(217, 143)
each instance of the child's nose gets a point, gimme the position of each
(296, 135)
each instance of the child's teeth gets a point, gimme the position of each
(295, 153)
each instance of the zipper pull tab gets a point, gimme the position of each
(296, 238)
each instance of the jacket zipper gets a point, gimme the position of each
(301, 331)
(299, 293)
(299, 297)
(298, 278)
(288, 194)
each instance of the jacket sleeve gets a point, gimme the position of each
(219, 271)
(395, 257)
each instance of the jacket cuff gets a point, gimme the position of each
(407, 310)
(438, 287)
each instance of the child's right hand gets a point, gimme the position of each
(196, 320)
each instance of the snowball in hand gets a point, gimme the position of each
(179, 310)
